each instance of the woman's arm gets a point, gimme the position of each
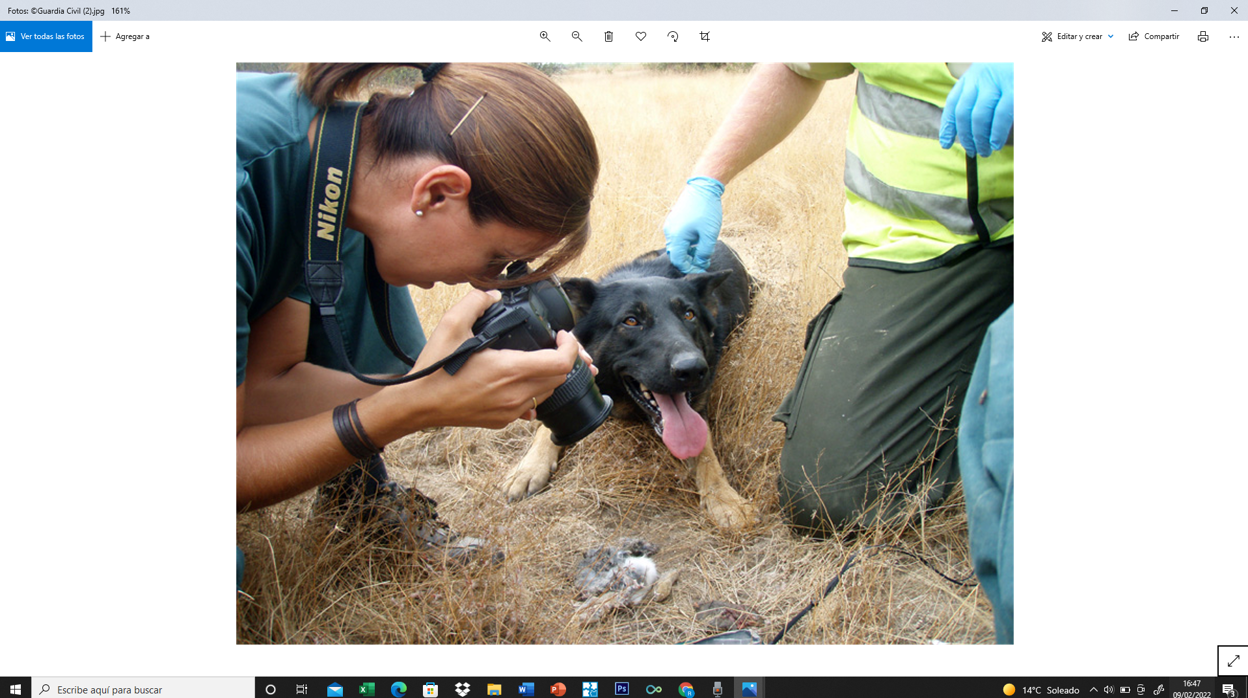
(281, 385)
(276, 461)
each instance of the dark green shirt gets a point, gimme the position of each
(272, 188)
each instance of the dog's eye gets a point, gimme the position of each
(631, 321)
(689, 315)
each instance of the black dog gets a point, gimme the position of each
(656, 336)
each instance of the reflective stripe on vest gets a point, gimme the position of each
(906, 202)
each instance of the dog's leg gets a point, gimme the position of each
(535, 469)
(727, 509)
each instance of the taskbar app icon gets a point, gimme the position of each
(398, 689)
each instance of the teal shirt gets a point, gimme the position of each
(273, 158)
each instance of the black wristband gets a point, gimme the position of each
(347, 435)
(359, 428)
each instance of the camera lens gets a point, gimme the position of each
(527, 318)
(576, 408)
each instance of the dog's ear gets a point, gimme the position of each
(707, 283)
(581, 292)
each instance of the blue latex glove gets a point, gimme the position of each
(980, 109)
(693, 225)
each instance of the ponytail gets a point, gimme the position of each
(522, 140)
(326, 83)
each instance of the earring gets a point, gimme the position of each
(420, 212)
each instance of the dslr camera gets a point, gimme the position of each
(527, 319)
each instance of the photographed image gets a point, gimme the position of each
(625, 353)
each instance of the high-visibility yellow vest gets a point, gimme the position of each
(907, 205)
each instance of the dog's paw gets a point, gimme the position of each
(526, 479)
(534, 470)
(729, 510)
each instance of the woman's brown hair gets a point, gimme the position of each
(526, 145)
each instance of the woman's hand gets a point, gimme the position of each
(494, 387)
(455, 327)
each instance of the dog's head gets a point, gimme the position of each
(653, 341)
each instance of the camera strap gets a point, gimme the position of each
(334, 145)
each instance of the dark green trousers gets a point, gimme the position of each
(870, 423)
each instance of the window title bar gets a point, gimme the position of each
(568, 10)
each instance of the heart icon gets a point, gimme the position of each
(641, 36)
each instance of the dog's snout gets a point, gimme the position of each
(689, 368)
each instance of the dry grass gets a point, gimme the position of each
(784, 217)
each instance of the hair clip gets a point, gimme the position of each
(469, 113)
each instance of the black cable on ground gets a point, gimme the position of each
(849, 562)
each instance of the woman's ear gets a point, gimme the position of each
(439, 185)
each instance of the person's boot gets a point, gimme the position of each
(364, 495)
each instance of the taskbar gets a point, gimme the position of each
(572, 686)
(513, 687)
(750, 687)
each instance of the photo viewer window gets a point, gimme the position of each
(752, 385)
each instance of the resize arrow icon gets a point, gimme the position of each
(1236, 659)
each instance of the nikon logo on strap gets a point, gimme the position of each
(329, 193)
(327, 212)
(329, 185)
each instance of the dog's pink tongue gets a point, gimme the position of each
(684, 430)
